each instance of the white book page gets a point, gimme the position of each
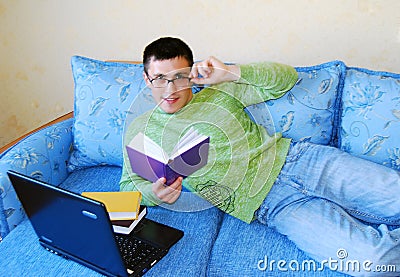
(189, 140)
(190, 135)
(144, 144)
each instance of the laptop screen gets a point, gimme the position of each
(68, 223)
(79, 228)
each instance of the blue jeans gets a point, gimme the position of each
(341, 210)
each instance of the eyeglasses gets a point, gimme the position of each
(161, 82)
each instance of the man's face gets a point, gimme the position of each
(172, 97)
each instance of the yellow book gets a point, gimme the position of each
(120, 205)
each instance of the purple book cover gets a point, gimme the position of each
(183, 165)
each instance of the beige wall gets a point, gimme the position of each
(37, 39)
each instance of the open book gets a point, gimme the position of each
(151, 162)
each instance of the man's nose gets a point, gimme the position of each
(171, 87)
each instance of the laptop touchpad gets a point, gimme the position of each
(162, 235)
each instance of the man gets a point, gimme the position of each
(294, 187)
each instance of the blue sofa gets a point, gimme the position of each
(354, 109)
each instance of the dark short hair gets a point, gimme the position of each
(166, 48)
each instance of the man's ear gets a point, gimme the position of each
(146, 79)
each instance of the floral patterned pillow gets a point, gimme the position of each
(104, 92)
(308, 110)
(370, 125)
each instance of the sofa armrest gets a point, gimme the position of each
(57, 120)
(42, 154)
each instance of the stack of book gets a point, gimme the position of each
(123, 208)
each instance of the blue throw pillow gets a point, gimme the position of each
(104, 92)
(370, 125)
(307, 111)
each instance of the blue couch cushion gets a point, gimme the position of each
(22, 255)
(308, 110)
(96, 178)
(191, 255)
(257, 250)
(370, 120)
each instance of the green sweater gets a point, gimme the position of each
(244, 160)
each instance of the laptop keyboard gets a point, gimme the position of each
(136, 253)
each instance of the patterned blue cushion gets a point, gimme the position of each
(4, 229)
(370, 124)
(104, 92)
(307, 111)
(42, 155)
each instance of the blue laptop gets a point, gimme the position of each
(78, 228)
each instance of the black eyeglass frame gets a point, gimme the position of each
(168, 81)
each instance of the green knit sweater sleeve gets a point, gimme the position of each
(260, 82)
